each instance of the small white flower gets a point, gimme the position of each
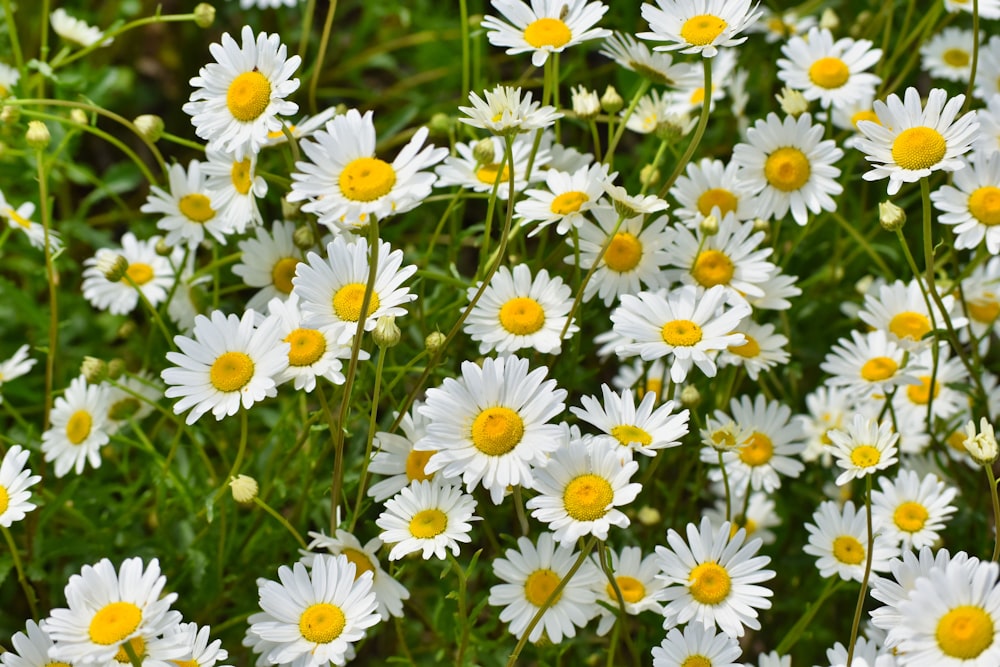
(429, 517)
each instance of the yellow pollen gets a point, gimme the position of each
(348, 300)
(787, 169)
(758, 451)
(282, 273)
(624, 253)
(865, 456)
(139, 273)
(240, 175)
(629, 433)
(864, 115)
(921, 393)
(588, 497)
(957, 441)
(539, 586)
(829, 72)
(248, 96)
(78, 426)
(56, 663)
(918, 148)
(196, 208)
(321, 623)
(747, 350)
(179, 663)
(956, 57)
(416, 461)
(696, 660)
(274, 134)
(910, 325)
(709, 583)
(653, 386)
(983, 311)
(488, 174)
(984, 205)
(429, 523)
(497, 430)
(717, 197)
(569, 202)
(4, 499)
(848, 550)
(697, 96)
(114, 622)
(138, 645)
(701, 30)
(878, 369)
(547, 32)
(522, 316)
(307, 347)
(20, 220)
(724, 437)
(631, 589)
(681, 333)
(910, 517)
(965, 632)
(231, 371)
(712, 267)
(362, 563)
(366, 179)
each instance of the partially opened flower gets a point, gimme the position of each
(14, 482)
(504, 111)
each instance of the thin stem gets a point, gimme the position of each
(22, 578)
(240, 452)
(522, 519)
(613, 142)
(282, 520)
(152, 311)
(590, 272)
(725, 483)
(973, 66)
(463, 616)
(53, 282)
(463, 16)
(372, 423)
(324, 40)
(699, 132)
(996, 511)
(15, 44)
(792, 636)
(133, 657)
(868, 571)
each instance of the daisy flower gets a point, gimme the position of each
(981, 292)
(645, 429)
(788, 165)
(988, 9)
(20, 219)
(688, 94)
(910, 142)
(517, 311)
(868, 363)
(9, 77)
(189, 209)
(491, 426)
(828, 408)
(343, 182)
(939, 393)
(899, 310)
(229, 362)
(636, 57)
(152, 273)
(988, 138)
(867, 653)
(268, 262)
(698, 26)
(74, 30)
(910, 510)
(331, 289)
(697, 645)
(547, 26)
(637, 582)
(236, 188)
(779, 27)
(777, 288)
(19, 364)
(863, 447)
(396, 457)
(629, 206)
(77, 429)
(972, 205)
(31, 648)
(312, 352)
(14, 483)
(763, 350)
(505, 112)
(651, 110)
(579, 489)
(710, 187)
(832, 72)
(109, 607)
(427, 516)
(467, 171)
(389, 593)
(684, 324)
(530, 574)
(314, 616)
(237, 99)
(568, 198)
(713, 578)
(304, 127)
(199, 650)
(839, 541)
(988, 70)
(948, 54)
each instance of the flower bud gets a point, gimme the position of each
(149, 126)
(709, 226)
(648, 516)
(37, 136)
(386, 333)
(890, 216)
(829, 20)
(441, 124)
(611, 101)
(982, 446)
(10, 115)
(434, 342)
(113, 266)
(79, 116)
(244, 488)
(290, 210)
(792, 102)
(690, 397)
(94, 370)
(484, 151)
(204, 15)
(304, 238)
(163, 249)
(116, 368)
(586, 103)
(649, 176)
(861, 23)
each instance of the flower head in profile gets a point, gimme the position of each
(504, 111)
(19, 364)
(74, 30)
(547, 26)
(698, 26)
(14, 482)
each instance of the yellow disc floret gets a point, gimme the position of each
(984, 205)
(713, 267)
(522, 316)
(231, 371)
(497, 430)
(709, 583)
(848, 550)
(428, 523)
(829, 72)
(366, 179)
(717, 197)
(918, 148)
(114, 622)
(321, 623)
(306, 347)
(78, 426)
(965, 632)
(282, 273)
(681, 333)
(569, 202)
(547, 32)
(196, 208)
(631, 589)
(702, 30)
(139, 273)
(248, 96)
(910, 516)
(878, 369)
(787, 169)
(416, 462)
(539, 586)
(348, 300)
(588, 497)
(758, 450)
(240, 176)
(865, 456)
(624, 253)
(909, 324)
(629, 433)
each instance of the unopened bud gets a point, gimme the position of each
(204, 15)
(649, 176)
(611, 101)
(386, 333)
(648, 516)
(709, 226)
(94, 370)
(37, 136)
(149, 126)
(116, 368)
(982, 446)
(441, 124)
(304, 238)
(792, 102)
(690, 397)
(79, 116)
(290, 210)
(126, 330)
(890, 216)
(10, 115)
(163, 249)
(484, 151)
(244, 488)
(586, 103)
(861, 23)
(434, 342)
(112, 265)
(829, 20)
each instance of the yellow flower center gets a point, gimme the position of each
(758, 450)
(629, 433)
(362, 563)
(547, 32)
(696, 660)
(747, 350)
(709, 583)
(496, 431)
(984, 205)
(681, 333)
(697, 96)
(348, 300)
(965, 632)
(231, 371)
(878, 369)
(983, 311)
(918, 148)
(428, 523)
(522, 316)
(921, 393)
(240, 175)
(848, 550)
(4, 499)
(539, 586)
(787, 169)
(957, 441)
(488, 174)
(307, 346)
(416, 461)
(829, 72)
(321, 623)
(865, 114)
(712, 267)
(631, 589)
(248, 96)
(367, 179)
(956, 57)
(196, 208)
(653, 386)
(282, 273)
(865, 456)
(588, 497)
(910, 325)
(702, 29)
(20, 220)
(138, 645)
(717, 197)
(179, 663)
(139, 273)
(910, 517)
(114, 622)
(78, 426)
(624, 253)
(569, 202)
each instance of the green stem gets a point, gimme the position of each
(15, 44)
(974, 65)
(372, 424)
(181, 141)
(138, 23)
(996, 511)
(609, 156)
(307, 19)
(152, 311)
(133, 657)
(868, 570)
(699, 132)
(463, 16)
(324, 40)
(240, 452)
(22, 578)
(725, 484)
(522, 518)
(792, 636)
(282, 520)
(463, 616)
(53, 281)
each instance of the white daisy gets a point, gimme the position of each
(780, 27)
(14, 482)
(637, 582)
(491, 426)
(643, 429)
(9, 76)
(777, 288)
(709, 187)
(427, 516)
(828, 409)
(698, 26)
(19, 364)
(988, 70)
(867, 653)
(911, 510)
(988, 137)
(948, 54)
(236, 188)
(973, 204)
(504, 112)
(530, 574)
(74, 30)
(131, 399)
(629, 206)
(229, 362)
(304, 127)
(547, 26)
(911, 402)
(199, 650)
(839, 540)
(568, 198)
(31, 648)
(636, 57)
(396, 457)
(312, 352)
(268, 262)
(713, 578)
(697, 645)
(77, 428)
(868, 363)
(788, 165)
(314, 616)
(763, 350)
(832, 72)
(863, 447)
(988, 9)
(20, 219)
(343, 182)
(465, 170)
(152, 273)
(238, 98)
(900, 310)
(651, 110)
(688, 96)
(189, 209)
(981, 301)
(909, 142)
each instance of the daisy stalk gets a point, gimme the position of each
(996, 511)
(793, 634)
(372, 425)
(324, 41)
(51, 278)
(282, 520)
(868, 568)
(609, 155)
(22, 578)
(604, 558)
(15, 44)
(152, 311)
(699, 131)
(974, 64)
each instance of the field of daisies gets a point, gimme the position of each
(494, 332)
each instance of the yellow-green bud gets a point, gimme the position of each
(829, 20)
(37, 136)
(484, 151)
(10, 115)
(890, 216)
(434, 342)
(290, 210)
(386, 333)
(204, 15)
(690, 397)
(127, 329)
(861, 23)
(163, 249)
(113, 266)
(304, 238)
(441, 124)
(649, 176)
(792, 102)
(94, 370)
(709, 225)
(244, 488)
(611, 101)
(79, 116)
(648, 516)
(982, 446)
(116, 368)
(149, 126)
